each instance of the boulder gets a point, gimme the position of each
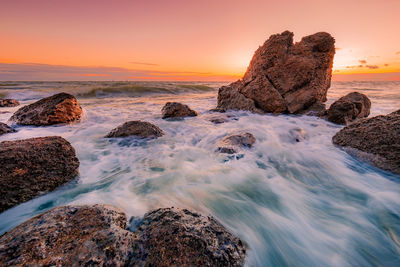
(4, 128)
(8, 103)
(140, 129)
(179, 237)
(69, 236)
(376, 140)
(233, 143)
(283, 77)
(349, 108)
(177, 110)
(98, 235)
(56, 109)
(34, 166)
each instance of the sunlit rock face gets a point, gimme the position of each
(349, 108)
(56, 109)
(283, 77)
(376, 140)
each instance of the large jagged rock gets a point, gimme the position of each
(4, 128)
(56, 109)
(70, 236)
(376, 140)
(282, 76)
(140, 129)
(8, 103)
(34, 166)
(234, 142)
(179, 237)
(98, 236)
(349, 108)
(177, 110)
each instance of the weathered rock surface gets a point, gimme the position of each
(34, 166)
(140, 129)
(349, 108)
(175, 237)
(70, 236)
(233, 143)
(376, 140)
(97, 235)
(177, 110)
(8, 103)
(4, 128)
(56, 109)
(283, 77)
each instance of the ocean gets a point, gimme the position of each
(303, 203)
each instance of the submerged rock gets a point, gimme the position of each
(376, 140)
(179, 237)
(8, 103)
(34, 166)
(56, 109)
(97, 235)
(233, 143)
(349, 108)
(282, 76)
(4, 128)
(297, 135)
(140, 129)
(70, 236)
(177, 110)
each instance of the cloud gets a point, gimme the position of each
(47, 72)
(386, 65)
(372, 67)
(338, 48)
(144, 63)
(398, 53)
(363, 61)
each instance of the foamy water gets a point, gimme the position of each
(294, 203)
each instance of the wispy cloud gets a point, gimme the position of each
(386, 65)
(363, 61)
(398, 53)
(372, 67)
(35, 72)
(144, 63)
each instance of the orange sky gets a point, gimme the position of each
(187, 40)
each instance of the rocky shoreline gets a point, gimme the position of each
(282, 78)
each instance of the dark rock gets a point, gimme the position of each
(34, 166)
(376, 140)
(4, 128)
(349, 108)
(282, 76)
(56, 109)
(97, 235)
(233, 143)
(8, 103)
(140, 129)
(317, 109)
(177, 110)
(70, 236)
(297, 135)
(175, 237)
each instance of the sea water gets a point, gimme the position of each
(304, 203)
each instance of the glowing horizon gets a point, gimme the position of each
(186, 40)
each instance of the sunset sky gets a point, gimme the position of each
(187, 40)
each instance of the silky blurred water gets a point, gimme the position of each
(294, 203)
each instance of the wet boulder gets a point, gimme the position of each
(8, 103)
(98, 235)
(34, 166)
(283, 77)
(4, 128)
(56, 109)
(376, 140)
(70, 236)
(140, 129)
(177, 110)
(235, 142)
(349, 108)
(179, 237)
